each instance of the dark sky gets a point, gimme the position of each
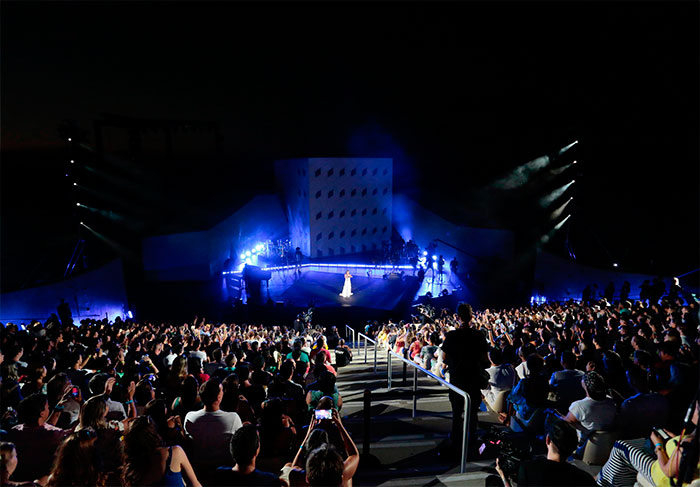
(459, 93)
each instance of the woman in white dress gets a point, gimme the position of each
(347, 288)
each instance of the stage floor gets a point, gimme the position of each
(323, 287)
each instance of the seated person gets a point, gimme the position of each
(630, 457)
(643, 411)
(8, 464)
(244, 449)
(325, 465)
(595, 412)
(35, 439)
(529, 396)
(566, 383)
(324, 386)
(343, 354)
(211, 428)
(552, 470)
(501, 377)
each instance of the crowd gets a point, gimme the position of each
(218, 404)
(129, 403)
(625, 369)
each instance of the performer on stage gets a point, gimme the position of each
(347, 288)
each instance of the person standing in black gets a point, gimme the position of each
(298, 257)
(465, 353)
(625, 291)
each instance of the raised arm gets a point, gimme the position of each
(353, 459)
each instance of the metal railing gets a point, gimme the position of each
(352, 332)
(360, 336)
(443, 382)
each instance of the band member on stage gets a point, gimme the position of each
(347, 288)
(441, 264)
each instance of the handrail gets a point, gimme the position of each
(368, 339)
(443, 382)
(352, 331)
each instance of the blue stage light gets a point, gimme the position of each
(434, 257)
(425, 252)
(248, 253)
(243, 255)
(129, 314)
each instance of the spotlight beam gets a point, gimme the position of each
(567, 147)
(108, 241)
(557, 213)
(552, 197)
(521, 174)
(547, 237)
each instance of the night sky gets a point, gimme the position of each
(458, 93)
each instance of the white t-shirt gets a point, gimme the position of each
(200, 355)
(522, 370)
(211, 434)
(501, 378)
(594, 415)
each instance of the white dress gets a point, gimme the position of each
(347, 288)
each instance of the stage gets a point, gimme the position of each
(373, 287)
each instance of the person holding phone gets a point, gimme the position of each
(324, 464)
(629, 457)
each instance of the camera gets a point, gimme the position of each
(507, 449)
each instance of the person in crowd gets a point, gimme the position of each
(103, 384)
(320, 365)
(325, 465)
(630, 458)
(343, 354)
(244, 449)
(528, 398)
(108, 446)
(552, 470)
(149, 462)
(216, 363)
(595, 412)
(427, 354)
(502, 377)
(8, 464)
(35, 439)
(144, 394)
(77, 462)
(59, 388)
(254, 393)
(189, 399)
(566, 383)
(278, 435)
(643, 411)
(195, 369)
(233, 401)
(320, 347)
(324, 386)
(168, 427)
(211, 428)
(291, 393)
(465, 352)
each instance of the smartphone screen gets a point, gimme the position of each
(75, 392)
(323, 414)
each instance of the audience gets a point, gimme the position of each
(139, 400)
